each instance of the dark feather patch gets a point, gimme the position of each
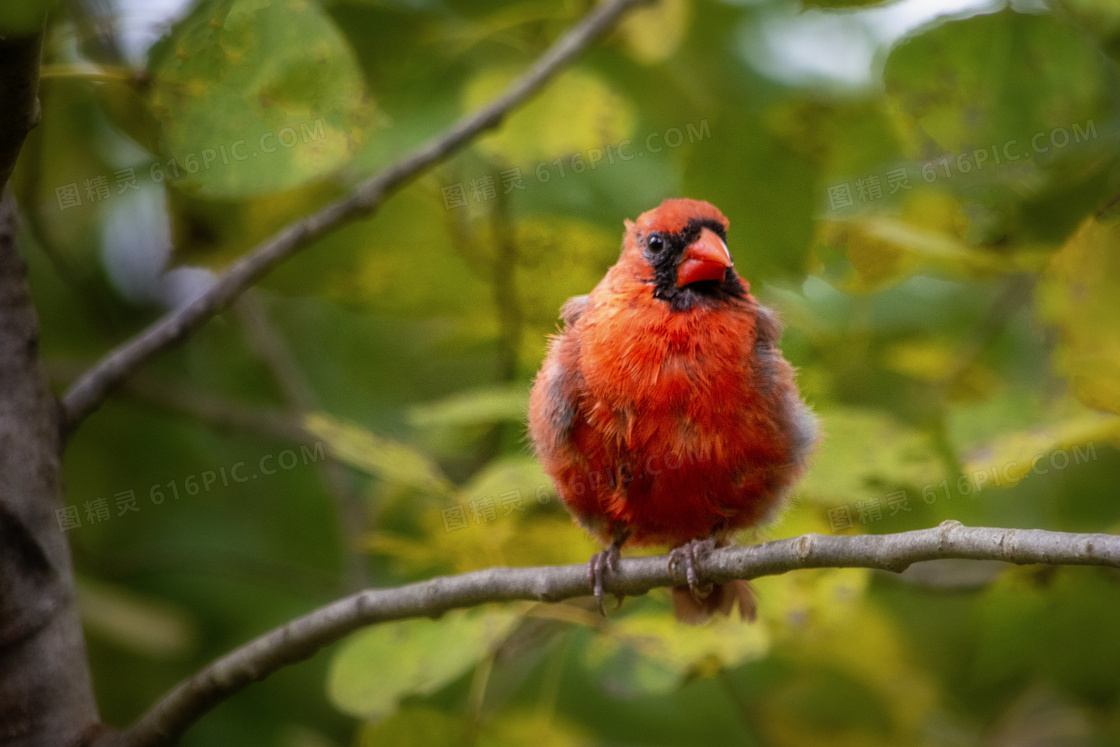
(803, 428)
(666, 262)
(767, 360)
(561, 406)
(768, 329)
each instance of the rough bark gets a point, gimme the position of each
(46, 696)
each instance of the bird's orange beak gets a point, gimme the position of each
(706, 258)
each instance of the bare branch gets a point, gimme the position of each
(91, 389)
(301, 638)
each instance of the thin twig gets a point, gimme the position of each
(302, 637)
(223, 414)
(220, 413)
(87, 394)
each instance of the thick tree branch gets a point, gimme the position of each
(301, 638)
(91, 389)
(46, 695)
(19, 106)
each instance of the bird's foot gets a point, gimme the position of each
(690, 554)
(603, 564)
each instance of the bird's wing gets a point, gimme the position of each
(773, 377)
(572, 310)
(558, 386)
(554, 400)
(556, 424)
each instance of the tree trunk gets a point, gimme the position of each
(46, 695)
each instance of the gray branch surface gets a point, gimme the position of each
(90, 390)
(304, 636)
(46, 695)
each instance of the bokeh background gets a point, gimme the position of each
(925, 191)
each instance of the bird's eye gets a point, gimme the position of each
(655, 243)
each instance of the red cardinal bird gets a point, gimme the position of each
(664, 411)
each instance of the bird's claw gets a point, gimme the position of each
(603, 564)
(690, 554)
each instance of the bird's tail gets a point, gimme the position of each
(722, 598)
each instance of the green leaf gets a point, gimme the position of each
(857, 681)
(500, 541)
(846, 138)
(650, 652)
(560, 257)
(414, 726)
(256, 96)
(886, 250)
(396, 463)
(863, 453)
(491, 404)
(1101, 18)
(1014, 454)
(1022, 615)
(24, 16)
(378, 667)
(518, 474)
(994, 79)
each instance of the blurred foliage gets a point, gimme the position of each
(942, 245)
(377, 667)
(24, 16)
(280, 74)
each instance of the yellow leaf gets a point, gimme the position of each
(153, 627)
(1080, 295)
(864, 453)
(537, 728)
(551, 126)
(652, 34)
(1012, 457)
